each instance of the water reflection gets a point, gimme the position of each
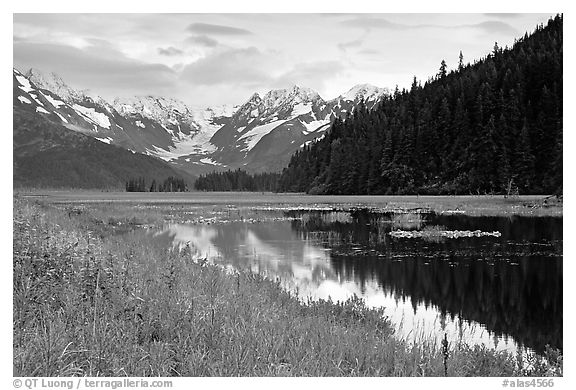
(499, 291)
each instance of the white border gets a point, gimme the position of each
(294, 6)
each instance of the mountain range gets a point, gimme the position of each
(258, 136)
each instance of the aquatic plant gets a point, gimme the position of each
(425, 233)
(408, 220)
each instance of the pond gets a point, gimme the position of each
(495, 281)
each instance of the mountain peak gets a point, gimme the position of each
(254, 98)
(54, 83)
(367, 92)
(148, 101)
(166, 111)
(306, 93)
(290, 96)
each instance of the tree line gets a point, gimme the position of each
(237, 180)
(170, 184)
(493, 126)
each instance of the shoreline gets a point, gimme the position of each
(471, 205)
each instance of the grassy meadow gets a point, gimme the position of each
(88, 301)
(485, 205)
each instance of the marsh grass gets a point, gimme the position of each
(407, 220)
(433, 233)
(89, 302)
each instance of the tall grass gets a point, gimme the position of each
(407, 220)
(88, 302)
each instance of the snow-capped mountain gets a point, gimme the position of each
(265, 131)
(77, 111)
(165, 128)
(260, 135)
(170, 113)
(369, 93)
(190, 128)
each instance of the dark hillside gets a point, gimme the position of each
(48, 155)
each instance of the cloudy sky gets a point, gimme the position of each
(207, 59)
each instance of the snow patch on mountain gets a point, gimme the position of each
(36, 99)
(254, 136)
(314, 126)
(24, 100)
(313, 140)
(198, 144)
(166, 155)
(42, 110)
(106, 140)
(51, 100)
(209, 161)
(94, 116)
(208, 114)
(161, 153)
(61, 117)
(301, 109)
(24, 84)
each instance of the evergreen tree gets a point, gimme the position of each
(442, 71)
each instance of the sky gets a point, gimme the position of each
(213, 59)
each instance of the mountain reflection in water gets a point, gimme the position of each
(499, 291)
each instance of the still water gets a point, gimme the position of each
(483, 280)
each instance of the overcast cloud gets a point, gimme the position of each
(205, 28)
(207, 59)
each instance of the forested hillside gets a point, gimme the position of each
(237, 180)
(493, 126)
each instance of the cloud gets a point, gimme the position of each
(369, 51)
(170, 51)
(101, 47)
(351, 44)
(311, 74)
(336, 14)
(236, 66)
(98, 67)
(371, 22)
(368, 23)
(492, 26)
(503, 15)
(202, 40)
(216, 29)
